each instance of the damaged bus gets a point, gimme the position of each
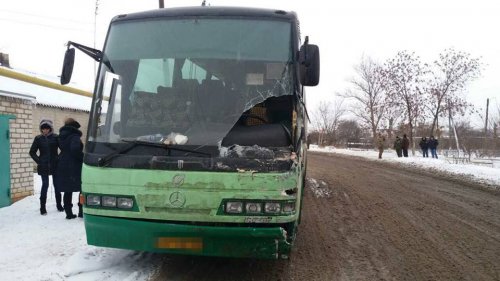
(196, 139)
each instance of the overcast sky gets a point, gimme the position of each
(34, 32)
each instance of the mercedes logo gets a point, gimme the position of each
(178, 180)
(177, 199)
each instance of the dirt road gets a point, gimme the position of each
(367, 220)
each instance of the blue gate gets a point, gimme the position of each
(5, 160)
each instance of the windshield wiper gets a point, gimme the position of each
(133, 143)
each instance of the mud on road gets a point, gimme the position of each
(368, 220)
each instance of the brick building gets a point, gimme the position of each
(16, 171)
(24, 101)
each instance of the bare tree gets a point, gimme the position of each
(494, 120)
(368, 93)
(348, 131)
(405, 74)
(491, 131)
(449, 77)
(470, 139)
(391, 117)
(326, 119)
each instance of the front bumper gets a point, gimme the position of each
(161, 237)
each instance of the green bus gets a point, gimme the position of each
(196, 139)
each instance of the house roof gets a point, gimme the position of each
(16, 95)
(42, 95)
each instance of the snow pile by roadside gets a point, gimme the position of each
(35, 247)
(487, 175)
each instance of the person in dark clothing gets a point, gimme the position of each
(424, 146)
(45, 145)
(406, 144)
(432, 144)
(69, 170)
(398, 145)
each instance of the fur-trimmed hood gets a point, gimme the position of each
(46, 122)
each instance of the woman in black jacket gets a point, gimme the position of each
(46, 145)
(69, 170)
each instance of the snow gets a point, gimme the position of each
(35, 247)
(480, 173)
(319, 188)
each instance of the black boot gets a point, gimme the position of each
(68, 206)
(69, 212)
(58, 202)
(80, 211)
(43, 210)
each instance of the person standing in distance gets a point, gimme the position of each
(406, 144)
(45, 145)
(380, 145)
(425, 147)
(433, 144)
(398, 146)
(69, 170)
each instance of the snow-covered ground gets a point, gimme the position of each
(489, 175)
(35, 247)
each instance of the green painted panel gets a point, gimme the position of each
(5, 160)
(202, 193)
(186, 206)
(255, 242)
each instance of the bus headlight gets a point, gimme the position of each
(93, 200)
(256, 207)
(234, 207)
(272, 207)
(109, 201)
(288, 207)
(125, 203)
(253, 207)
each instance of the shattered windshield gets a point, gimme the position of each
(192, 81)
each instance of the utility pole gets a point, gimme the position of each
(452, 127)
(95, 27)
(162, 4)
(450, 132)
(486, 121)
(486, 124)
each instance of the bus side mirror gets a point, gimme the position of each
(309, 65)
(67, 70)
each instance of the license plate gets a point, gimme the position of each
(180, 243)
(258, 220)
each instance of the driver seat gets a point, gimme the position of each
(260, 113)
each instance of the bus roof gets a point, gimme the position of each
(209, 11)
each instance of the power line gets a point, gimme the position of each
(46, 25)
(46, 17)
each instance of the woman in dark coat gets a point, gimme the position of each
(45, 145)
(69, 170)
